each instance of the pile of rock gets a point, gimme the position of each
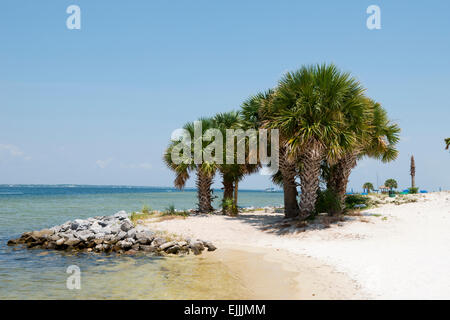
(114, 233)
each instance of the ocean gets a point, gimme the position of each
(42, 274)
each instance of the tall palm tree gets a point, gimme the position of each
(447, 143)
(311, 109)
(377, 139)
(255, 113)
(204, 172)
(412, 171)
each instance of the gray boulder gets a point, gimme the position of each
(173, 249)
(167, 245)
(72, 242)
(126, 226)
(209, 246)
(131, 233)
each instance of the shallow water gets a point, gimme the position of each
(41, 274)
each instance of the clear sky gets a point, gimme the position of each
(98, 105)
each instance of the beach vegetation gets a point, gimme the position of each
(146, 209)
(326, 124)
(328, 201)
(447, 143)
(368, 186)
(413, 190)
(135, 216)
(356, 200)
(391, 184)
(172, 211)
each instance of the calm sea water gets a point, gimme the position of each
(41, 274)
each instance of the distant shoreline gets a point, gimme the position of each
(6, 185)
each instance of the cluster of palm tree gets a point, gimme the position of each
(326, 124)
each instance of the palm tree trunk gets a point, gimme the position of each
(339, 175)
(236, 187)
(227, 189)
(289, 173)
(309, 177)
(204, 182)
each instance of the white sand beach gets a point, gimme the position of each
(394, 251)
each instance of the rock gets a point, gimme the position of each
(124, 244)
(209, 245)
(99, 235)
(126, 226)
(145, 235)
(71, 242)
(121, 235)
(54, 237)
(158, 241)
(51, 245)
(167, 245)
(44, 233)
(174, 249)
(182, 243)
(195, 250)
(197, 247)
(74, 226)
(131, 233)
(103, 223)
(106, 233)
(121, 215)
(96, 227)
(147, 248)
(85, 235)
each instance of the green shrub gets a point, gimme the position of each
(171, 211)
(327, 201)
(413, 190)
(139, 216)
(356, 199)
(146, 209)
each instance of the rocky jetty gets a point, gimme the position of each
(114, 233)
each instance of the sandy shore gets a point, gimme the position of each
(395, 251)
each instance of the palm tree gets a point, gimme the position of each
(205, 171)
(447, 143)
(311, 109)
(255, 113)
(391, 184)
(413, 172)
(368, 187)
(231, 173)
(376, 138)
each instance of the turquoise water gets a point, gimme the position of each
(41, 274)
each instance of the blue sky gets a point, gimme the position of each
(98, 105)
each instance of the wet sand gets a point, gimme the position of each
(280, 275)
